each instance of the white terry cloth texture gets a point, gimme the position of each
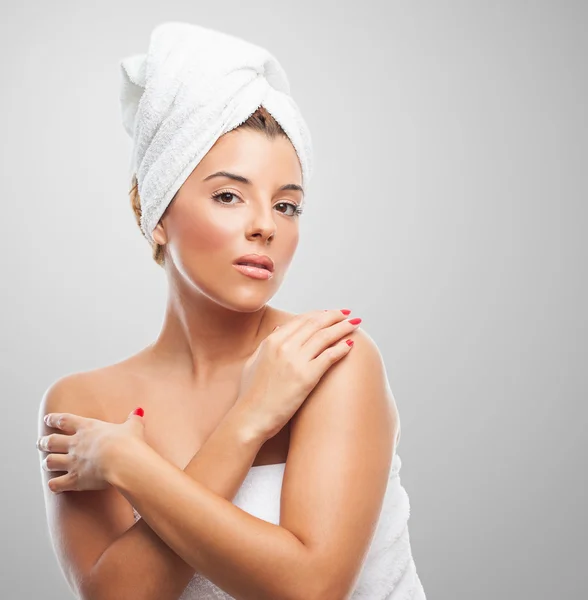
(193, 85)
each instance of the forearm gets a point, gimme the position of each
(247, 557)
(225, 458)
(139, 564)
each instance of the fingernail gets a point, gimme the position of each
(139, 411)
(355, 321)
(345, 311)
(349, 342)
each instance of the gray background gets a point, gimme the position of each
(447, 209)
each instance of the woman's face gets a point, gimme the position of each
(214, 220)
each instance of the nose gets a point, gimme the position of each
(263, 225)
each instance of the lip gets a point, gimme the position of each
(254, 272)
(260, 259)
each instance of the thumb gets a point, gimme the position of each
(137, 423)
(138, 412)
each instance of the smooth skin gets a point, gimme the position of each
(337, 447)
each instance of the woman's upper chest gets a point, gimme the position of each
(178, 421)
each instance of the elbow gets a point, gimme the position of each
(79, 585)
(333, 584)
(92, 593)
(93, 588)
(88, 590)
(333, 592)
(324, 594)
(325, 586)
(84, 592)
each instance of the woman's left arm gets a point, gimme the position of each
(341, 447)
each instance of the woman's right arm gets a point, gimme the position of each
(103, 553)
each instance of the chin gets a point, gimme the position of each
(247, 304)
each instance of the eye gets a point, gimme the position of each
(296, 208)
(223, 193)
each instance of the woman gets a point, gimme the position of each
(261, 463)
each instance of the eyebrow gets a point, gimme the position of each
(288, 186)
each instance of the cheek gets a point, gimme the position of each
(291, 242)
(206, 231)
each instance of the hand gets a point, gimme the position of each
(86, 449)
(287, 365)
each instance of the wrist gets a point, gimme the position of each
(121, 458)
(243, 428)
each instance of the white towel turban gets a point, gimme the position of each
(193, 85)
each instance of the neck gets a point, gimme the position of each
(200, 338)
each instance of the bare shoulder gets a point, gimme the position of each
(362, 370)
(89, 393)
(364, 365)
(370, 362)
(75, 393)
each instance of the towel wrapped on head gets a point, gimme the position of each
(193, 85)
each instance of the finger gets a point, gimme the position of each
(56, 462)
(301, 327)
(64, 421)
(323, 338)
(138, 412)
(54, 442)
(329, 357)
(61, 484)
(315, 321)
(136, 420)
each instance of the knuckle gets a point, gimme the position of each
(328, 352)
(283, 350)
(271, 340)
(323, 336)
(333, 352)
(316, 319)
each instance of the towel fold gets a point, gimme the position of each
(193, 85)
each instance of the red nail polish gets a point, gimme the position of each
(355, 321)
(139, 411)
(349, 342)
(345, 311)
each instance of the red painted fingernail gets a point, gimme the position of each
(355, 321)
(349, 342)
(345, 311)
(139, 411)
